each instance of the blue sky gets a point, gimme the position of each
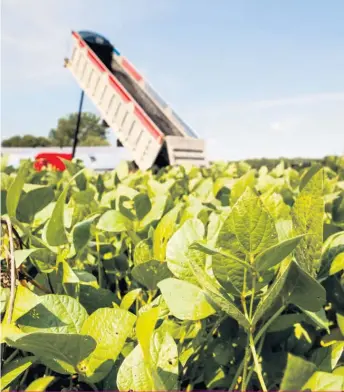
(253, 77)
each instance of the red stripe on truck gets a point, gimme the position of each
(119, 89)
(145, 121)
(80, 41)
(131, 70)
(96, 61)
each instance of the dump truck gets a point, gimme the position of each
(143, 123)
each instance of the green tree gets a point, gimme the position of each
(92, 131)
(26, 141)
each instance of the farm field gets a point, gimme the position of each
(223, 278)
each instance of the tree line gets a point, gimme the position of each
(92, 132)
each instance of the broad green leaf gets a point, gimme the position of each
(114, 221)
(130, 298)
(54, 313)
(135, 375)
(93, 298)
(110, 328)
(297, 372)
(308, 215)
(327, 358)
(318, 318)
(63, 352)
(85, 196)
(24, 300)
(144, 330)
(340, 321)
(322, 381)
(143, 252)
(307, 176)
(248, 180)
(275, 254)
(40, 384)
(142, 205)
(215, 294)
(163, 232)
(14, 369)
(149, 274)
(20, 255)
(34, 201)
(337, 264)
(4, 297)
(56, 234)
(247, 231)
(178, 246)
(292, 285)
(82, 233)
(15, 189)
(185, 300)
(286, 321)
(155, 213)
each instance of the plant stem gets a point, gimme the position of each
(246, 360)
(258, 351)
(13, 355)
(243, 295)
(13, 272)
(256, 363)
(268, 323)
(254, 282)
(100, 265)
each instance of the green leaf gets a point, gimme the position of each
(143, 252)
(286, 321)
(130, 298)
(308, 215)
(15, 190)
(155, 213)
(40, 384)
(25, 300)
(54, 313)
(82, 233)
(93, 298)
(84, 197)
(275, 254)
(142, 205)
(337, 264)
(340, 321)
(247, 231)
(14, 369)
(149, 274)
(20, 255)
(185, 300)
(322, 381)
(296, 373)
(144, 330)
(176, 252)
(215, 294)
(307, 176)
(56, 234)
(327, 358)
(134, 374)
(292, 285)
(248, 180)
(110, 328)
(114, 221)
(34, 201)
(163, 232)
(62, 352)
(318, 318)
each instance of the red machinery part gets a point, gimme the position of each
(54, 159)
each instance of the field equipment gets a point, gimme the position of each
(143, 123)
